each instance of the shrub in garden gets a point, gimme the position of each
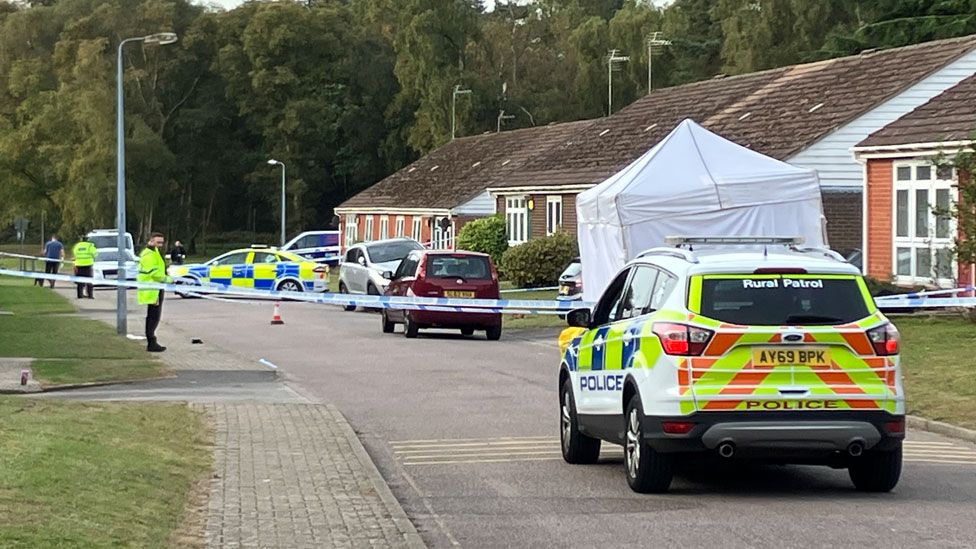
(485, 235)
(539, 262)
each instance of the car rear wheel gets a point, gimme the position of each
(648, 472)
(187, 282)
(577, 448)
(467, 331)
(344, 290)
(372, 290)
(289, 286)
(494, 333)
(876, 471)
(387, 324)
(410, 328)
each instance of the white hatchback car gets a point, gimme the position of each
(367, 267)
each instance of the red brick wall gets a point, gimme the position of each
(843, 213)
(879, 222)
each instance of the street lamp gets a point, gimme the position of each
(457, 91)
(272, 162)
(121, 308)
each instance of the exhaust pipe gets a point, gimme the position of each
(855, 449)
(726, 449)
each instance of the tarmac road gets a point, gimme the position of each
(465, 431)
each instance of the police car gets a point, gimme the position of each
(256, 267)
(770, 352)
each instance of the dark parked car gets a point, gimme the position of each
(571, 282)
(459, 274)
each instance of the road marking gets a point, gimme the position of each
(545, 448)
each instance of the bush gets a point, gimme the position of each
(485, 235)
(539, 262)
(879, 288)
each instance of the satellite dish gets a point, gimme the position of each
(335, 220)
(444, 223)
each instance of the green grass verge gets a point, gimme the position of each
(939, 368)
(68, 349)
(531, 321)
(97, 474)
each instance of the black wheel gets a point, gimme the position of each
(289, 286)
(410, 328)
(577, 447)
(187, 282)
(876, 471)
(372, 290)
(648, 472)
(467, 331)
(494, 333)
(344, 290)
(387, 324)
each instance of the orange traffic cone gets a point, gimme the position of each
(276, 317)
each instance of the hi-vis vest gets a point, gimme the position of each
(84, 253)
(152, 268)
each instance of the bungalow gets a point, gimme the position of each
(810, 115)
(906, 236)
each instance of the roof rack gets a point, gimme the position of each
(735, 240)
(679, 253)
(826, 252)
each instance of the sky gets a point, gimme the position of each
(490, 4)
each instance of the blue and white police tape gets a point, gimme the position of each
(927, 303)
(35, 258)
(439, 304)
(929, 293)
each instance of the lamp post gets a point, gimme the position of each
(273, 162)
(457, 91)
(121, 308)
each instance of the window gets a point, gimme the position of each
(782, 300)
(368, 234)
(516, 219)
(408, 267)
(923, 232)
(239, 258)
(606, 308)
(415, 231)
(351, 230)
(637, 298)
(391, 251)
(264, 257)
(469, 267)
(443, 237)
(384, 227)
(554, 214)
(351, 255)
(399, 227)
(665, 284)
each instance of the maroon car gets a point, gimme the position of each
(459, 274)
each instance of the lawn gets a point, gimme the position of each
(939, 368)
(531, 321)
(68, 349)
(97, 474)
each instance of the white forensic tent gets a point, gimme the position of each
(692, 183)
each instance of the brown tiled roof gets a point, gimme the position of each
(456, 172)
(776, 112)
(950, 116)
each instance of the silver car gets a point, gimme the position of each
(366, 267)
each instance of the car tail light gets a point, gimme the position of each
(681, 339)
(579, 283)
(885, 339)
(895, 427)
(677, 427)
(422, 271)
(322, 269)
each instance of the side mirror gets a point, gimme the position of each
(362, 261)
(579, 318)
(387, 275)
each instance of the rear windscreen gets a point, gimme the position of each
(779, 300)
(574, 269)
(466, 267)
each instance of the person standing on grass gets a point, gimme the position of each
(152, 268)
(177, 254)
(84, 253)
(54, 252)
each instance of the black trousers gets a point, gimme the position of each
(50, 267)
(84, 289)
(153, 314)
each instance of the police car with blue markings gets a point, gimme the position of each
(320, 246)
(259, 268)
(775, 352)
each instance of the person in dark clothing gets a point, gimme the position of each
(178, 254)
(54, 253)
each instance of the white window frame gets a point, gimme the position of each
(400, 221)
(384, 227)
(442, 239)
(415, 230)
(517, 219)
(368, 229)
(351, 230)
(554, 214)
(929, 242)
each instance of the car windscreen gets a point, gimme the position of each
(112, 256)
(775, 300)
(391, 251)
(109, 241)
(574, 269)
(467, 267)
